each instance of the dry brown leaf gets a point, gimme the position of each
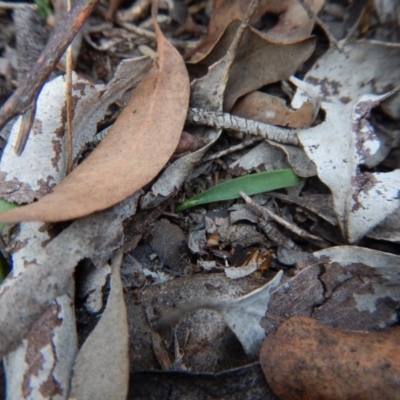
(137, 147)
(304, 359)
(272, 110)
(258, 61)
(294, 23)
(206, 92)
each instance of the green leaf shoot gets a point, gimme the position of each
(250, 184)
(44, 8)
(5, 206)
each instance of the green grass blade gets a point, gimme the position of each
(250, 184)
(4, 206)
(3, 269)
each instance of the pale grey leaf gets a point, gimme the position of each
(101, 369)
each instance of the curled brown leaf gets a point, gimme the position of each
(139, 144)
(294, 24)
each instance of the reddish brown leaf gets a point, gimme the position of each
(272, 110)
(304, 359)
(258, 61)
(294, 23)
(137, 147)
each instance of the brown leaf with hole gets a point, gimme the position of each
(272, 110)
(304, 359)
(139, 144)
(293, 23)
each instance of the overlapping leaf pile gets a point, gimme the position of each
(343, 143)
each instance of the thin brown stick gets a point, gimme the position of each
(233, 149)
(318, 21)
(13, 6)
(24, 98)
(68, 92)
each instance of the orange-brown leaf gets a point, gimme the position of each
(139, 144)
(294, 23)
(272, 110)
(304, 359)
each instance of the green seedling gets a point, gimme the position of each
(250, 184)
(44, 8)
(4, 206)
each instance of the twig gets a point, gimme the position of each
(290, 227)
(150, 35)
(134, 13)
(228, 121)
(68, 92)
(12, 6)
(318, 20)
(138, 31)
(232, 149)
(24, 98)
(270, 231)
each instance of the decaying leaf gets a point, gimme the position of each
(258, 61)
(388, 229)
(137, 147)
(30, 293)
(304, 359)
(318, 204)
(294, 23)
(43, 164)
(40, 367)
(345, 287)
(259, 158)
(272, 110)
(206, 92)
(243, 315)
(102, 365)
(204, 349)
(346, 141)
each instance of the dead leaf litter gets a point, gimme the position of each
(107, 280)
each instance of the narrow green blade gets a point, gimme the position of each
(4, 206)
(250, 184)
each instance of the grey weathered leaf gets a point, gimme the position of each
(101, 369)
(203, 335)
(347, 287)
(41, 366)
(244, 314)
(25, 297)
(346, 140)
(43, 163)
